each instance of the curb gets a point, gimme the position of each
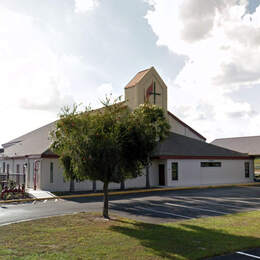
(129, 192)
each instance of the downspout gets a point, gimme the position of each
(36, 172)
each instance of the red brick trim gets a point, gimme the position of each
(185, 125)
(163, 157)
(32, 156)
(50, 156)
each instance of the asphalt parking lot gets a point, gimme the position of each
(151, 207)
(240, 255)
(187, 204)
(167, 206)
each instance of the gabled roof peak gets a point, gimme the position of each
(137, 78)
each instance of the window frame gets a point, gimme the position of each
(210, 164)
(175, 175)
(17, 168)
(247, 169)
(51, 172)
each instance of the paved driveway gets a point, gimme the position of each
(240, 255)
(187, 204)
(153, 207)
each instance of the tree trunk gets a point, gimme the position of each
(94, 186)
(122, 186)
(105, 207)
(72, 186)
(147, 178)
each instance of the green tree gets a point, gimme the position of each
(62, 144)
(111, 144)
(65, 161)
(156, 130)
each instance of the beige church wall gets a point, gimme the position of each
(191, 174)
(1, 165)
(190, 134)
(130, 94)
(18, 177)
(161, 100)
(59, 184)
(140, 181)
(178, 128)
(154, 173)
(12, 169)
(136, 95)
(233, 171)
(12, 165)
(188, 174)
(29, 174)
(112, 185)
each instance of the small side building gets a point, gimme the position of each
(192, 162)
(244, 144)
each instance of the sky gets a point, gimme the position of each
(60, 52)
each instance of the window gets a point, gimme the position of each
(7, 168)
(24, 174)
(174, 171)
(28, 174)
(3, 167)
(246, 169)
(17, 168)
(51, 172)
(210, 164)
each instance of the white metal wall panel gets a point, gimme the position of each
(190, 173)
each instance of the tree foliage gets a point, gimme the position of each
(110, 144)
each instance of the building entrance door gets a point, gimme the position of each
(161, 175)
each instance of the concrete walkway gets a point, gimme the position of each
(40, 194)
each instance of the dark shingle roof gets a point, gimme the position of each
(36, 142)
(248, 144)
(33, 143)
(182, 146)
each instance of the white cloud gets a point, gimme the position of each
(35, 81)
(220, 41)
(82, 6)
(105, 89)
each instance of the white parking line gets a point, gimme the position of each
(249, 255)
(235, 200)
(247, 202)
(196, 208)
(154, 210)
(163, 212)
(206, 202)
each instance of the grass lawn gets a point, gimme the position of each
(85, 236)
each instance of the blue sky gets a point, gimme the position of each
(59, 52)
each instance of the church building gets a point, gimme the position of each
(183, 159)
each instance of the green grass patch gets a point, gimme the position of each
(86, 236)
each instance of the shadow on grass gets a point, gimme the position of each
(185, 241)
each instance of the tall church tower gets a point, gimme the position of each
(146, 86)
